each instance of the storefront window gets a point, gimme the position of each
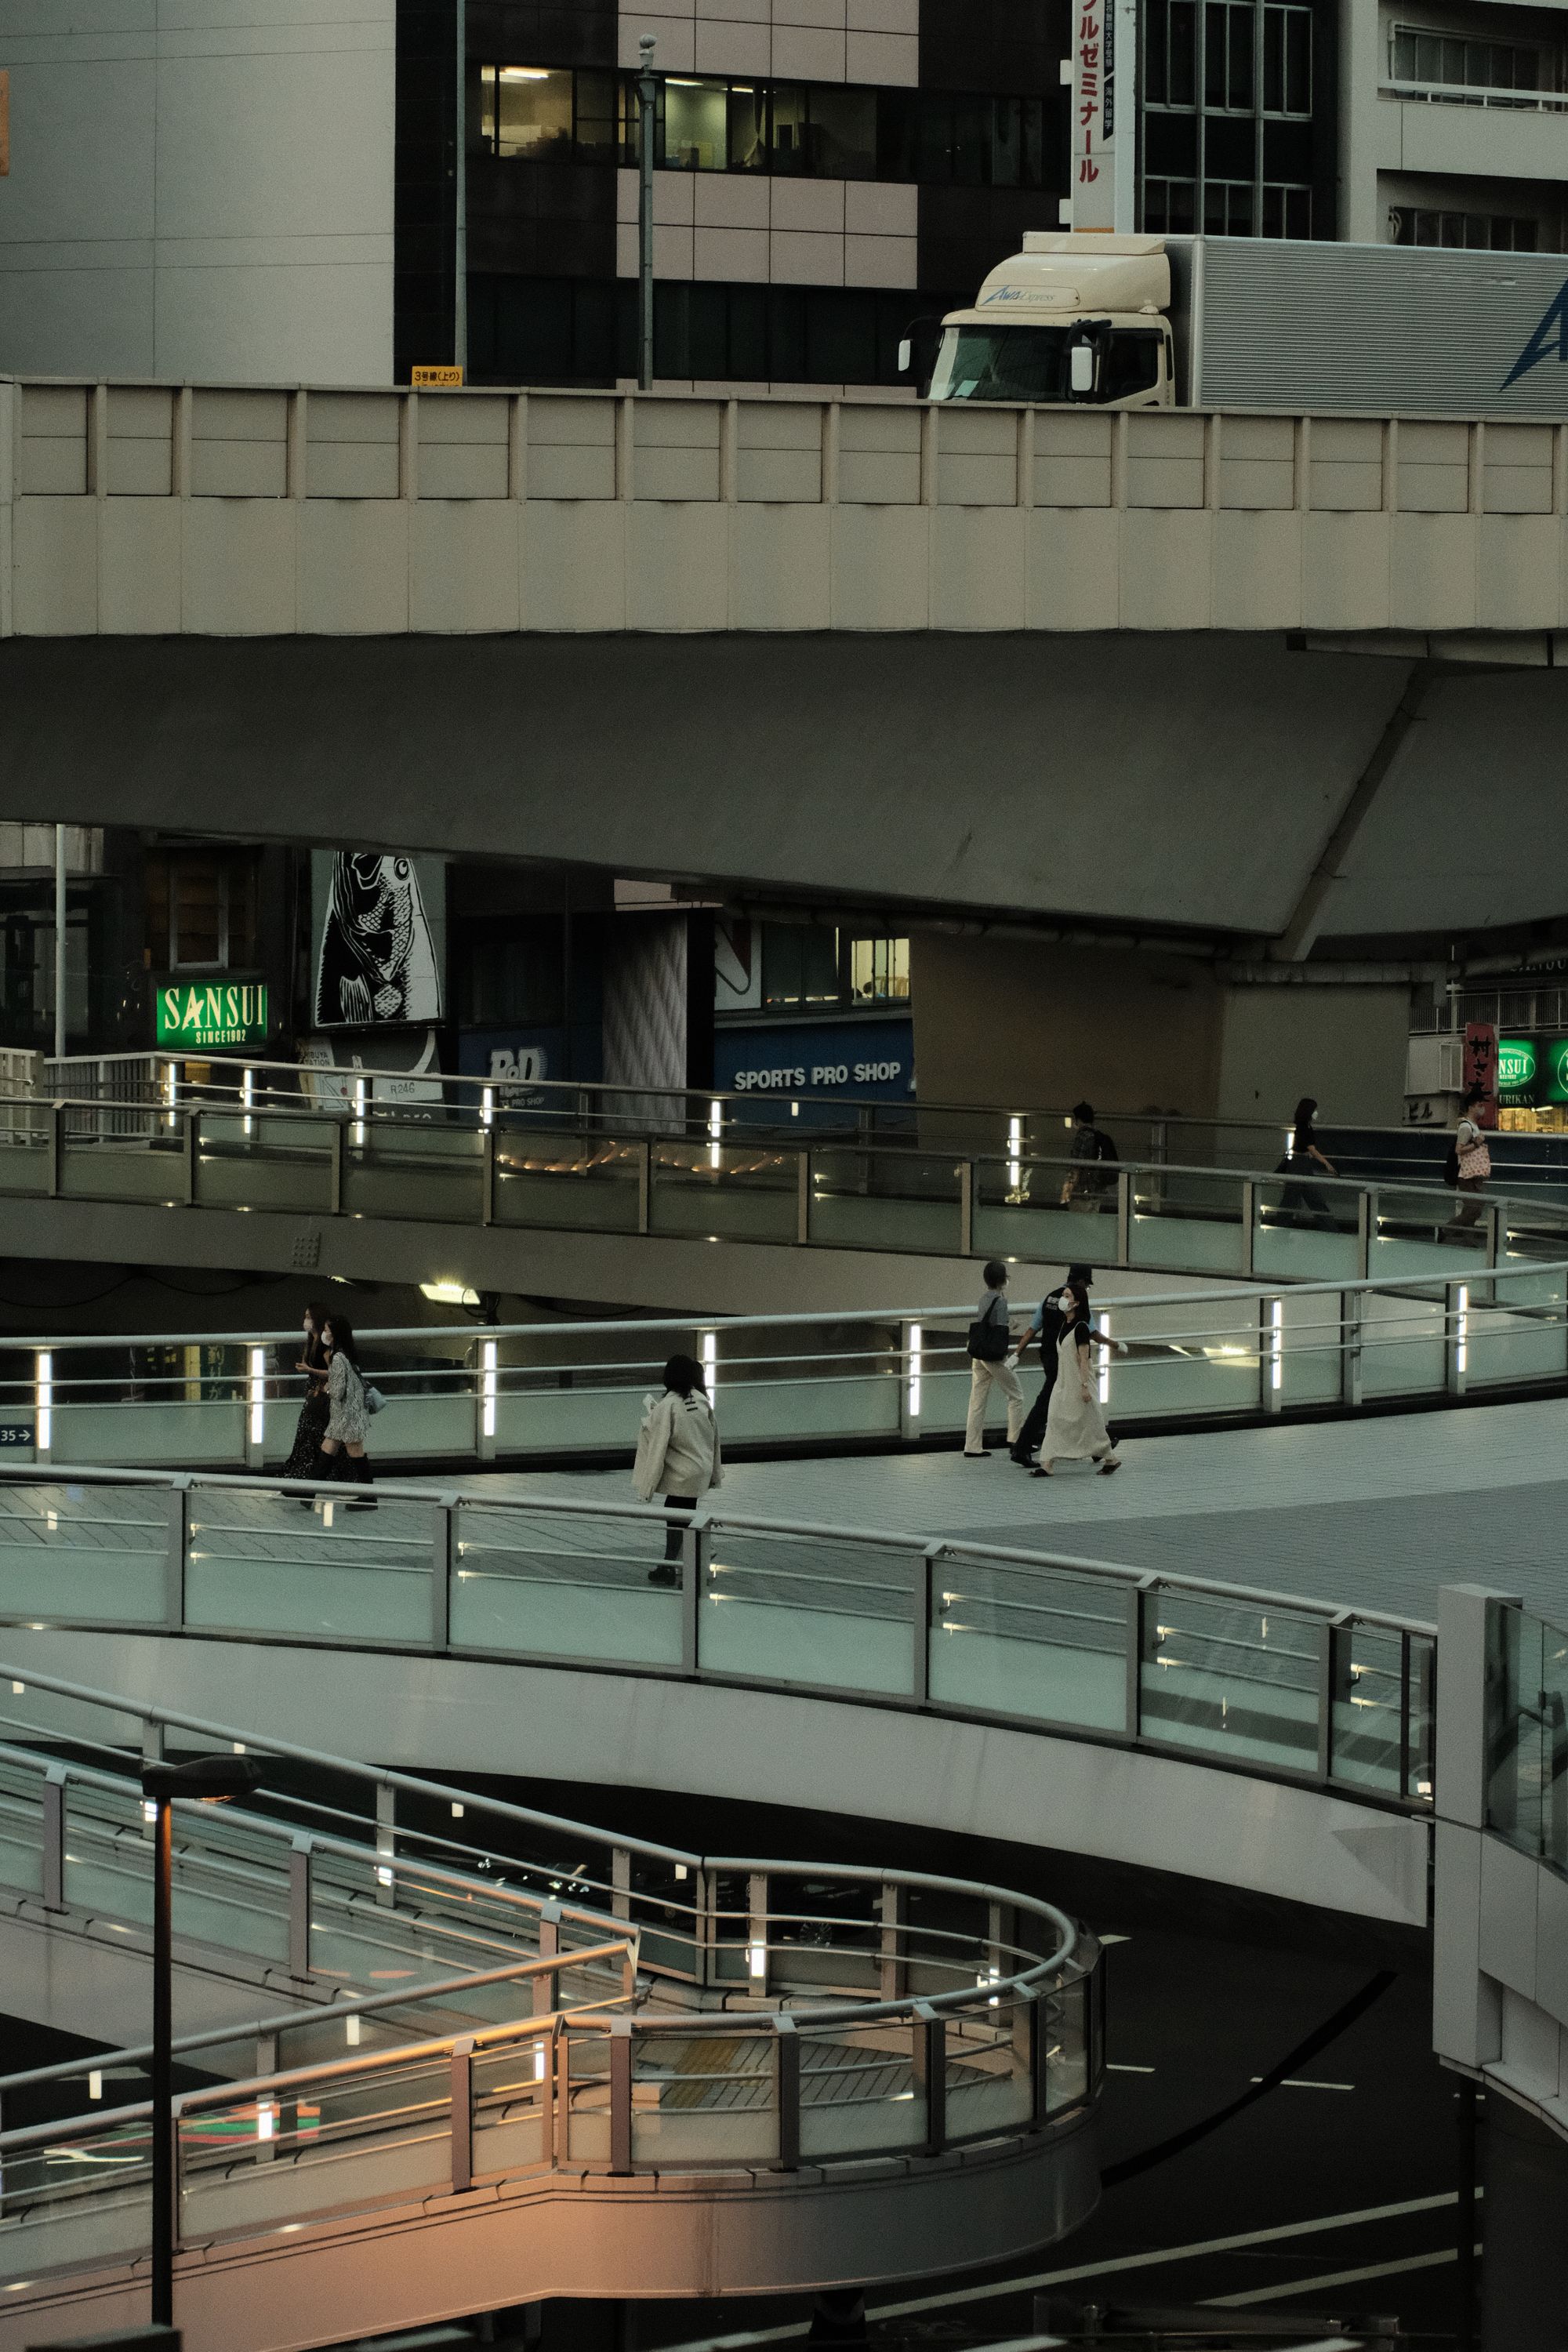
(878, 972)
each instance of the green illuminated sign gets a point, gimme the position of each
(202, 1016)
(1516, 1062)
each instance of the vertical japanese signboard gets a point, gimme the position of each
(1481, 1060)
(1100, 181)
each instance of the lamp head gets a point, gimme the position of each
(209, 1779)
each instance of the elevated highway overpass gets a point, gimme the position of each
(1037, 660)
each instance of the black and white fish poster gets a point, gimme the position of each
(380, 928)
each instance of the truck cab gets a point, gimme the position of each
(1079, 319)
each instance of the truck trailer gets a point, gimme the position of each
(1118, 322)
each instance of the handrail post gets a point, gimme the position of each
(299, 1907)
(803, 1196)
(462, 2114)
(1248, 1225)
(645, 1184)
(441, 1563)
(757, 1918)
(1351, 1317)
(929, 2056)
(189, 1151)
(620, 1882)
(694, 1552)
(1456, 1336)
(53, 1857)
(336, 1171)
(921, 1618)
(912, 1386)
(1134, 1661)
(1365, 1232)
(1326, 1694)
(1492, 1225)
(547, 1984)
(487, 1176)
(967, 1208)
(892, 1971)
(620, 2094)
(385, 1845)
(55, 1136)
(1124, 1216)
(176, 1553)
(1271, 1352)
(787, 2046)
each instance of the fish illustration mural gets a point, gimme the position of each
(378, 960)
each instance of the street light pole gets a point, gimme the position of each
(59, 943)
(162, 2066)
(647, 99)
(210, 1780)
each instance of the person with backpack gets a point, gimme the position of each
(1471, 1159)
(993, 1363)
(348, 1414)
(677, 1456)
(1046, 1330)
(1092, 1149)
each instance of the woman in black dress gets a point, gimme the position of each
(305, 1455)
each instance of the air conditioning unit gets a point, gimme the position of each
(1435, 1065)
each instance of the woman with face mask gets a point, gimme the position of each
(1075, 1426)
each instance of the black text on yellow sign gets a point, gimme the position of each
(436, 379)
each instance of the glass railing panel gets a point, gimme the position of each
(1511, 1326)
(726, 1192)
(80, 2202)
(1303, 1344)
(24, 1147)
(1369, 1730)
(1305, 1230)
(1045, 1208)
(258, 1562)
(529, 1581)
(1421, 1765)
(372, 2137)
(1403, 1341)
(990, 2078)
(1187, 1219)
(578, 1183)
(1065, 2025)
(1172, 1358)
(21, 1828)
(91, 1551)
(824, 1939)
(371, 1924)
(808, 1609)
(511, 2100)
(1041, 1642)
(230, 1885)
(1534, 1233)
(1554, 1746)
(1234, 1678)
(857, 1390)
(205, 1431)
(1516, 1773)
(939, 1378)
(884, 1199)
(860, 2092)
(704, 2098)
(583, 2061)
(1425, 1233)
(97, 1164)
(413, 1168)
(264, 1159)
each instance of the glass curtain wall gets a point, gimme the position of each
(1225, 120)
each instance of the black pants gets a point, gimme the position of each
(675, 1534)
(1033, 1427)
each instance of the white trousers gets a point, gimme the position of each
(982, 1375)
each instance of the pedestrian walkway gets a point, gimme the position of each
(1375, 1514)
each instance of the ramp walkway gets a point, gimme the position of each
(690, 2074)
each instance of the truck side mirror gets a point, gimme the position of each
(1080, 369)
(906, 355)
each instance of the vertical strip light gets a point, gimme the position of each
(359, 1110)
(1014, 1154)
(710, 1363)
(488, 1106)
(1104, 1321)
(247, 1097)
(44, 1400)
(715, 1132)
(1276, 1343)
(916, 1354)
(257, 1395)
(172, 1091)
(488, 1356)
(1462, 1329)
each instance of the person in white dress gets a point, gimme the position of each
(1075, 1426)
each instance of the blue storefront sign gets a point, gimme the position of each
(866, 1061)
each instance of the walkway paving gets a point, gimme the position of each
(1377, 1513)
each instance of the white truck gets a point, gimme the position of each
(1120, 321)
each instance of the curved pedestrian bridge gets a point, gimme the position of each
(604, 2064)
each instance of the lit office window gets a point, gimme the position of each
(696, 125)
(878, 972)
(530, 112)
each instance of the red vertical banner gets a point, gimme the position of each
(1481, 1068)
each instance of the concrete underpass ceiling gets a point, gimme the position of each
(1188, 781)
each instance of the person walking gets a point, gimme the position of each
(1075, 1426)
(1091, 1148)
(1045, 1330)
(678, 1455)
(305, 1453)
(1473, 1159)
(993, 1363)
(348, 1415)
(1310, 1200)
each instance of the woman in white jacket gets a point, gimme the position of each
(678, 1455)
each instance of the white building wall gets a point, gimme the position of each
(199, 189)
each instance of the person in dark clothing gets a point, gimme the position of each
(1046, 1329)
(1306, 1200)
(305, 1455)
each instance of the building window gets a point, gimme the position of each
(808, 969)
(201, 910)
(1478, 232)
(1229, 62)
(1170, 207)
(878, 972)
(1452, 68)
(547, 114)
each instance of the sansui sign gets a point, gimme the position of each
(204, 1016)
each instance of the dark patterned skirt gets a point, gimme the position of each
(304, 1455)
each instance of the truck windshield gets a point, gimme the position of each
(1027, 363)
